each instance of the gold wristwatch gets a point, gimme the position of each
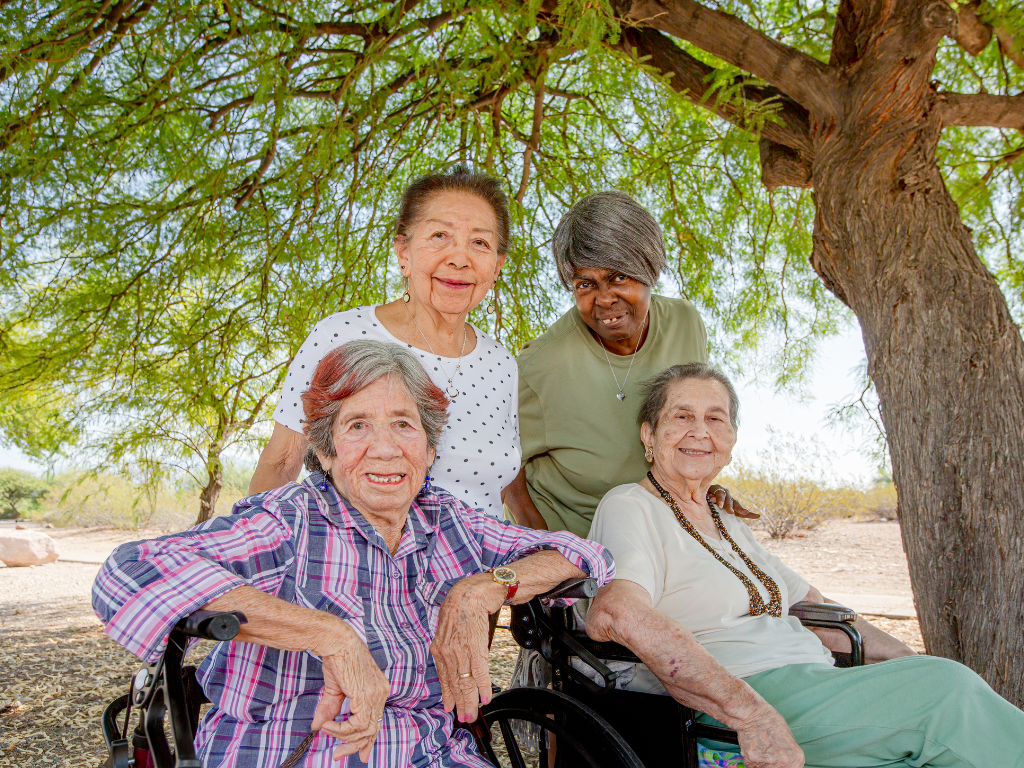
(508, 579)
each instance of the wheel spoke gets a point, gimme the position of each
(511, 745)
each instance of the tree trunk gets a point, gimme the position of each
(944, 353)
(215, 482)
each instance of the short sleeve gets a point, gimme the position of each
(626, 528)
(797, 586)
(704, 335)
(288, 412)
(532, 431)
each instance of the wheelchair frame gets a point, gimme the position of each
(616, 724)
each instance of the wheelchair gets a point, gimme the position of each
(580, 722)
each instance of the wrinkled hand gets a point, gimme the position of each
(724, 500)
(767, 742)
(350, 672)
(460, 644)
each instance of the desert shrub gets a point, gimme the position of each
(791, 488)
(111, 500)
(879, 501)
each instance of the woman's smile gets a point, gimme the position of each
(385, 479)
(694, 452)
(453, 284)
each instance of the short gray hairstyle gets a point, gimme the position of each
(354, 366)
(609, 230)
(655, 391)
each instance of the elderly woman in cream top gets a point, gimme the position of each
(705, 607)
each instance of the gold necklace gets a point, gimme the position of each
(451, 390)
(757, 606)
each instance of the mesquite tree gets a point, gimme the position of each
(793, 151)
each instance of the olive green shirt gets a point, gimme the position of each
(578, 440)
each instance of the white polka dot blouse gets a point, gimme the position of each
(479, 452)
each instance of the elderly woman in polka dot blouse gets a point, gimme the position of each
(451, 238)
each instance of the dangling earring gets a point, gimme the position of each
(648, 453)
(491, 304)
(405, 296)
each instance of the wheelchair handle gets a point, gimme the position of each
(583, 587)
(212, 625)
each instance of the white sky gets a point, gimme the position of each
(834, 379)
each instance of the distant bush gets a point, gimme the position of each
(20, 493)
(879, 501)
(110, 500)
(792, 489)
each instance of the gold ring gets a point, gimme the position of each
(466, 674)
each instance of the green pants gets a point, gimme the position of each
(914, 711)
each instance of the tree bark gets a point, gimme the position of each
(215, 482)
(944, 353)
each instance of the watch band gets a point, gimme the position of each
(507, 578)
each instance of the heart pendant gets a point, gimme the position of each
(621, 396)
(451, 391)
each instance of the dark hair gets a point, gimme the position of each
(458, 178)
(609, 230)
(655, 391)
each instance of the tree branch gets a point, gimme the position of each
(786, 148)
(803, 78)
(982, 109)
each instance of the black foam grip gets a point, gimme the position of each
(572, 588)
(213, 625)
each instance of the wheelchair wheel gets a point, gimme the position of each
(565, 733)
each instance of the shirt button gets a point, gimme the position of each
(419, 669)
(396, 575)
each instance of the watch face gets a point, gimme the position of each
(505, 575)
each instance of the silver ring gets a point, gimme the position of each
(466, 674)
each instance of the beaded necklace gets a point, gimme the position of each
(757, 606)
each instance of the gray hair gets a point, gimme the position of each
(655, 391)
(354, 366)
(609, 230)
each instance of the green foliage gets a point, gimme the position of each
(20, 492)
(186, 187)
(792, 488)
(110, 500)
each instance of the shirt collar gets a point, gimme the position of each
(422, 521)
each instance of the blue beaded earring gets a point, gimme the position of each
(426, 485)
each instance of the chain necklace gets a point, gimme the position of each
(451, 390)
(757, 606)
(622, 393)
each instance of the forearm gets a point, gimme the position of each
(671, 652)
(538, 573)
(280, 461)
(516, 497)
(276, 623)
(878, 645)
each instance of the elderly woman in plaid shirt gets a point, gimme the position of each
(367, 590)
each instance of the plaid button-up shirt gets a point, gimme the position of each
(305, 544)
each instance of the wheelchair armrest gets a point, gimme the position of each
(839, 614)
(606, 651)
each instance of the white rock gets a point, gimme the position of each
(26, 548)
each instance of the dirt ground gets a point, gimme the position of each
(58, 670)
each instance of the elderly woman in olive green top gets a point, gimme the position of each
(578, 381)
